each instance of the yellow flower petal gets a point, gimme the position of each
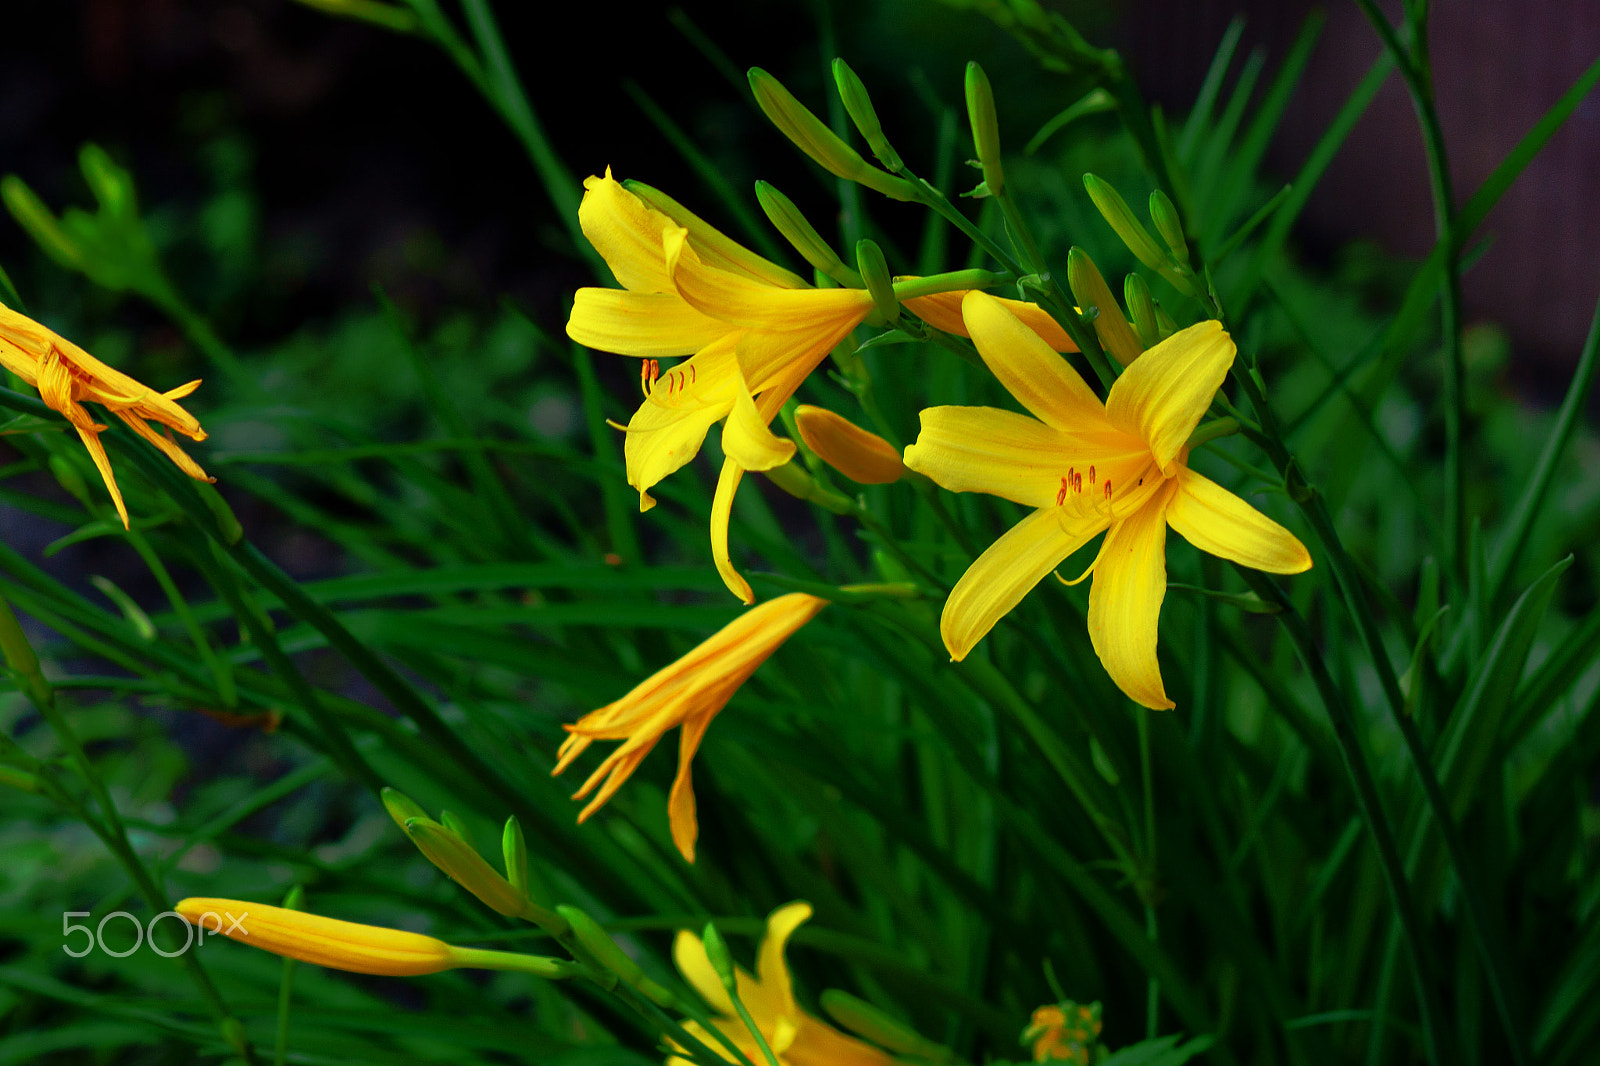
(1162, 395)
(1130, 581)
(649, 324)
(689, 955)
(669, 427)
(741, 301)
(721, 515)
(1215, 520)
(771, 969)
(627, 234)
(714, 246)
(680, 801)
(1029, 368)
(943, 311)
(746, 439)
(1006, 572)
(985, 449)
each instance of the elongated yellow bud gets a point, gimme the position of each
(863, 457)
(784, 215)
(858, 105)
(813, 137)
(326, 942)
(1089, 288)
(985, 128)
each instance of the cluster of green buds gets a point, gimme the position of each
(1169, 258)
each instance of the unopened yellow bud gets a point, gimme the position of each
(326, 942)
(446, 850)
(1089, 288)
(784, 215)
(863, 457)
(1165, 216)
(1141, 309)
(858, 105)
(985, 128)
(813, 137)
(1116, 211)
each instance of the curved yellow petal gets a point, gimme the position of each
(1130, 581)
(1215, 520)
(649, 324)
(1163, 393)
(627, 234)
(1005, 573)
(1029, 368)
(689, 955)
(772, 971)
(985, 449)
(714, 246)
(669, 427)
(821, 1045)
(748, 441)
(739, 300)
(721, 514)
(943, 311)
(680, 801)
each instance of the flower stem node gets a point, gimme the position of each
(858, 105)
(813, 137)
(788, 220)
(863, 457)
(985, 129)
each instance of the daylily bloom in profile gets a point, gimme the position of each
(753, 332)
(1120, 468)
(688, 693)
(796, 1037)
(66, 375)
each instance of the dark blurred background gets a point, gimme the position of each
(334, 154)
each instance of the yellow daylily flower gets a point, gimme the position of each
(796, 1037)
(1119, 468)
(753, 332)
(687, 693)
(66, 375)
(1065, 1032)
(329, 942)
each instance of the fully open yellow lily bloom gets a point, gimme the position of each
(796, 1037)
(688, 693)
(1120, 468)
(753, 332)
(328, 942)
(65, 375)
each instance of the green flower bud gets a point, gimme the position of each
(228, 526)
(1142, 309)
(1116, 211)
(720, 958)
(401, 807)
(1165, 216)
(446, 850)
(40, 223)
(454, 825)
(1089, 288)
(515, 847)
(112, 186)
(784, 215)
(17, 779)
(295, 898)
(858, 105)
(813, 137)
(875, 275)
(985, 128)
(606, 954)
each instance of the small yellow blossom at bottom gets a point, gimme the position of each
(795, 1037)
(1066, 1032)
(688, 692)
(328, 942)
(65, 375)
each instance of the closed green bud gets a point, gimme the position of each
(875, 275)
(1165, 216)
(40, 223)
(10, 777)
(400, 806)
(1141, 309)
(454, 824)
(1116, 211)
(604, 953)
(295, 898)
(19, 654)
(111, 185)
(863, 1019)
(228, 526)
(813, 137)
(985, 128)
(858, 105)
(721, 958)
(68, 477)
(515, 848)
(1164, 323)
(784, 215)
(453, 855)
(1089, 288)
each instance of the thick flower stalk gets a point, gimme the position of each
(688, 693)
(1119, 468)
(796, 1037)
(66, 375)
(753, 332)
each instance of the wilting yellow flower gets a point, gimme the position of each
(863, 457)
(66, 375)
(752, 329)
(796, 1037)
(324, 941)
(1120, 467)
(689, 693)
(1068, 1032)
